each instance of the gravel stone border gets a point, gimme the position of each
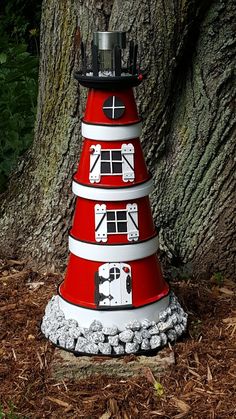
(137, 336)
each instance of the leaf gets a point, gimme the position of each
(159, 389)
(3, 58)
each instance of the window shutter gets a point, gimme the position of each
(127, 151)
(95, 164)
(100, 223)
(132, 222)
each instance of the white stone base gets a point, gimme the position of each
(103, 336)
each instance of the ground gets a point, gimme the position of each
(201, 385)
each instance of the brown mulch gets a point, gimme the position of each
(201, 385)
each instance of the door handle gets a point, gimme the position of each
(128, 284)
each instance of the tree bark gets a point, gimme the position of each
(187, 49)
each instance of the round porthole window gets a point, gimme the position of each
(113, 107)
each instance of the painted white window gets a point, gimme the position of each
(112, 162)
(114, 285)
(120, 221)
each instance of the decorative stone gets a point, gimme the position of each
(71, 323)
(131, 347)
(134, 325)
(96, 337)
(70, 344)
(59, 314)
(182, 327)
(163, 316)
(126, 336)
(53, 337)
(163, 326)
(163, 339)
(181, 311)
(85, 331)
(145, 345)
(95, 326)
(155, 342)
(184, 321)
(145, 324)
(91, 348)
(107, 340)
(62, 341)
(119, 350)
(145, 333)
(81, 344)
(104, 348)
(64, 329)
(174, 318)
(113, 340)
(168, 311)
(137, 337)
(113, 330)
(75, 332)
(154, 330)
(171, 335)
(174, 308)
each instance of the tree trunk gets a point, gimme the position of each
(187, 49)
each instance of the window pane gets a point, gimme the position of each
(108, 113)
(122, 227)
(118, 112)
(121, 215)
(116, 155)
(116, 167)
(105, 155)
(118, 102)
(114, 273)
(105, 167)
(111, 227)
(110, 215)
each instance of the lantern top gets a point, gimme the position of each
(109, 40)
(107, 68)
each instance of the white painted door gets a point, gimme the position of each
(115, 284)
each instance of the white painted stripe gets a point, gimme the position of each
(120, 194)
(111, 133)
(114, 253)
(110, 318)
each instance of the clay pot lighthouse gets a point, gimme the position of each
(113, 299)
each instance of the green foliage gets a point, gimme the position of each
(18, 84)
(9, 413)
(218, 278)
(159, 389)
